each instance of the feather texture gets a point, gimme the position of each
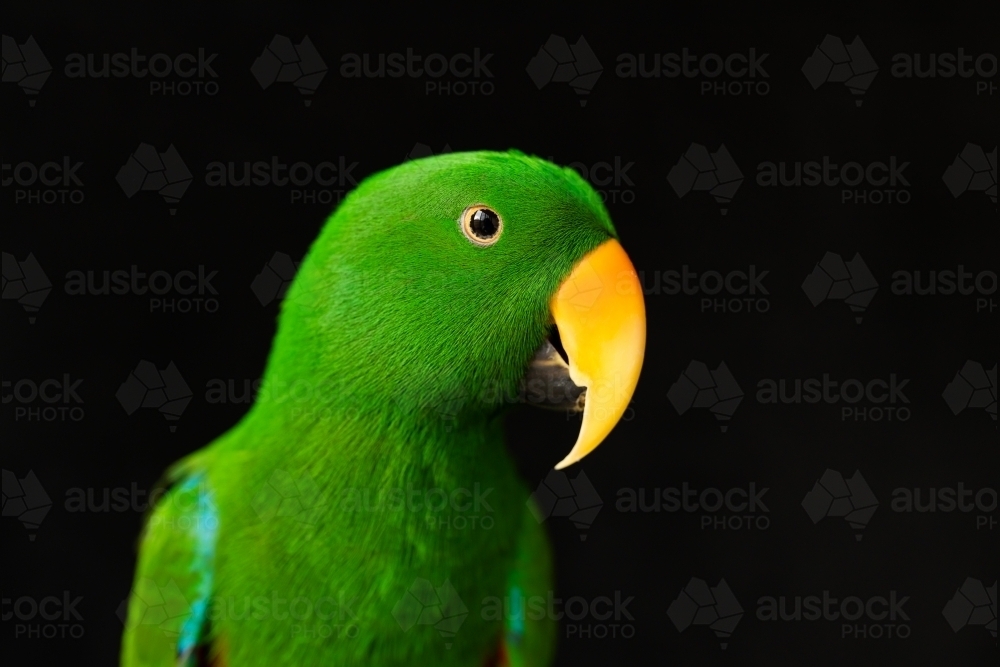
(367, 499)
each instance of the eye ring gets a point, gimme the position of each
(481, 224)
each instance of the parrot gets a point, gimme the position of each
(365, 510)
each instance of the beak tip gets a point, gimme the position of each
(565, 463)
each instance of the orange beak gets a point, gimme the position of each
(602, 324)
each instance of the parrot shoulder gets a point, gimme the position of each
(168, 609)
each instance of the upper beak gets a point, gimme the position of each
(601, 319)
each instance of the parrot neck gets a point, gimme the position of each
(438, 482)
(348, 445)
(330, 407)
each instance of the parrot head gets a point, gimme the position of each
(465, 282)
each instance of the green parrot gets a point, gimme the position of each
(365, 510)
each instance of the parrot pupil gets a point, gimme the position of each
(484, 223)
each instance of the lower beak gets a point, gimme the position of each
(601, 319)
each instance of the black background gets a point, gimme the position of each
(649, 122)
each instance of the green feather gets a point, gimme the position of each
(397, 343)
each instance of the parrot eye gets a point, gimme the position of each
(482, 225)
